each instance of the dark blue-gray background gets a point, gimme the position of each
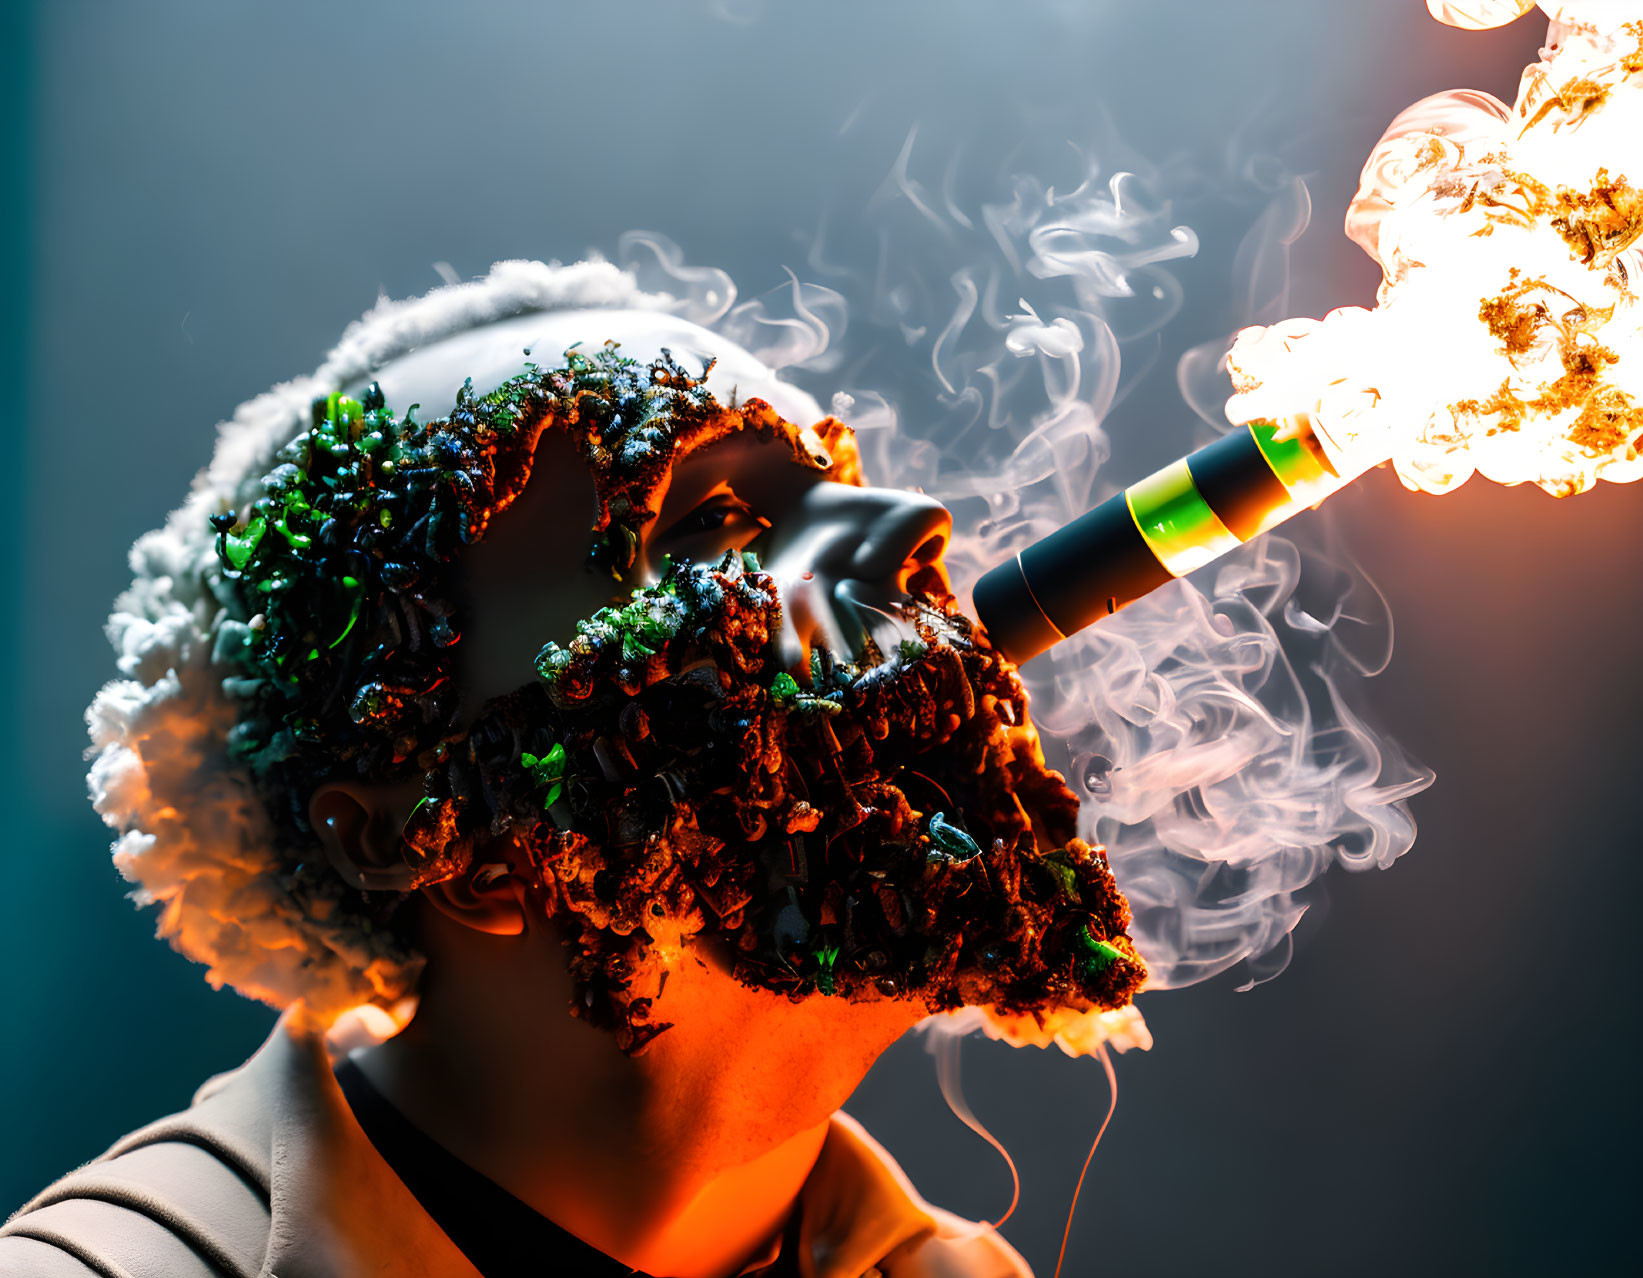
(207, 192)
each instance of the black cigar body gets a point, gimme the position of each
(1175, 520)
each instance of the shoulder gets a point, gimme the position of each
(170, 1207)
(959, 1248)
(187, 1197)
(861, 1214)
(266, 1172)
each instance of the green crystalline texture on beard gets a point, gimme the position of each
(683, 606)
(1098, 955)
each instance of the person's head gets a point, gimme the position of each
(583, 641)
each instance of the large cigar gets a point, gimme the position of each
(1169, 523)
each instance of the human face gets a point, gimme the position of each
(787, 754)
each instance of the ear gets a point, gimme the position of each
(490, 898)
(359, 828)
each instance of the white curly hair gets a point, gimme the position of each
(193, 833)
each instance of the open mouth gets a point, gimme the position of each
(887, 830)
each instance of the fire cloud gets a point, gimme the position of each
(1506, 340)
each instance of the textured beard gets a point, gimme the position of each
(889, 831)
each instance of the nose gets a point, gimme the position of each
(843, 555)
(904, 542)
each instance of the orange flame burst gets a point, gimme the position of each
(1508, 336)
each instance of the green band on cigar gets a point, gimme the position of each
(1298, 468)
(1179, 525)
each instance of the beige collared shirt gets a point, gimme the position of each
(268, 1175)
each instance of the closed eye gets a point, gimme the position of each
(721, 522)
(708, 516)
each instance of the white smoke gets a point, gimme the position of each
(1209, 729)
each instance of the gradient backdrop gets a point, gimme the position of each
(1444, 1080)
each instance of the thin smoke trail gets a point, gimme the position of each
(946, 1049)
(1105, 1057)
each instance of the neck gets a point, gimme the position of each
(684, 1161)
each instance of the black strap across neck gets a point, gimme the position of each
(501, 1236)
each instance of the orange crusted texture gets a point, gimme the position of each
(1529, 314)
(891, 832)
